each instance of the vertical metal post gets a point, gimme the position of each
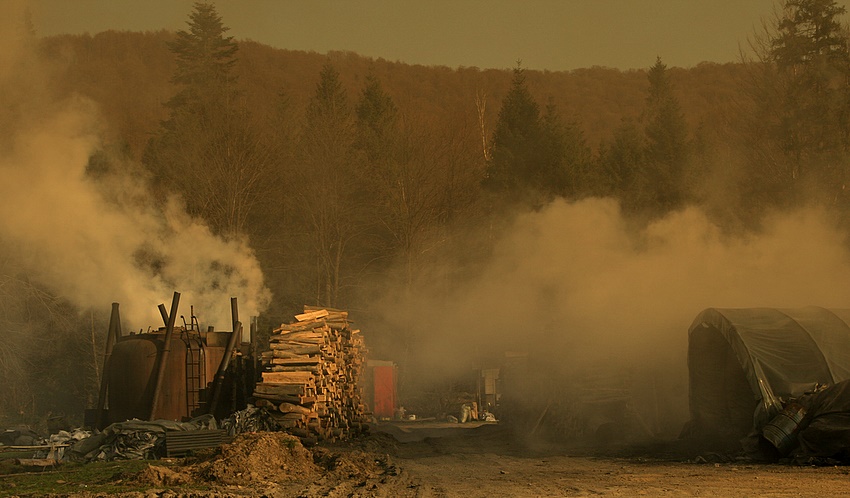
(222, 367)
(164, 314)
(234, 313)
(163, 356)
(254, 356)
(111, 335)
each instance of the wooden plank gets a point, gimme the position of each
(303, 368)
(308, 309)
(303, 361)
(287, 389)
(293, 349)
(287, 377)
(283, 398)
(312, 315)
(304, 341)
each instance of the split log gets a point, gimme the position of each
(283, 389)
(294, 408)
(287, 377)
(311, 315)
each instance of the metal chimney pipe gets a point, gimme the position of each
(164, 314)
(222, 367)
(234, 313)
(111, 336)
(163, 355)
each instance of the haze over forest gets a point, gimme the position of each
(447, 209)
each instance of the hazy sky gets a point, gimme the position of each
(544, 34)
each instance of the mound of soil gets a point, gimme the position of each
(258, 458)
(354, 464)
(276, 464)
(159, 476)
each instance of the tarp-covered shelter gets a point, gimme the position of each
(743, 362)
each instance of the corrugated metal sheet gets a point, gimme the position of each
(182, 443)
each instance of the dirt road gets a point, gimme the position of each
(491, 475)
(488, 462)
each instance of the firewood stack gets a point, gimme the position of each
(310, 377)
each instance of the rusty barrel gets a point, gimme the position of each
(782, 430)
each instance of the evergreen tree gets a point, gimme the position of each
(564, 157)
(207, 149)
(798, 131)
(808, 32)
(377, 117)
(534, 157)
(326, 186)
(205, 58)
(385, 181)
(329, 129)
(516, 139)
(663, 175)
(809, 52)
(621, 163)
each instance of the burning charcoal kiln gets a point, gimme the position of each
(174, 372)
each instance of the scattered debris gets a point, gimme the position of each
(251, 419)
(133, 439)
(20, 436)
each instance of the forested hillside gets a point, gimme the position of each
(445, 115)
(106, 65)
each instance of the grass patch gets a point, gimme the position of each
(68, 478)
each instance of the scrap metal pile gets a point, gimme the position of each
(311, 374)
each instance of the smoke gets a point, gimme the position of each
(578, 287)
(97, 240)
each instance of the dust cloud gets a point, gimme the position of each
(97, 240)
(580, 288)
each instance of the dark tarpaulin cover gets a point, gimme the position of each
(743, 362)
(134, 439)
(825, 429)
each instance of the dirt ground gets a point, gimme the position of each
(480, 460)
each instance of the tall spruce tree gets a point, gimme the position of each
(797, 120)
(621, 163)
(377, 117)
(564, 157)
(205, 58)
(663, 176)
(514, 156)
(810, 54)
(326, 186)
(207, 150)
(534, 158)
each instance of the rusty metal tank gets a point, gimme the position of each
(190, 369)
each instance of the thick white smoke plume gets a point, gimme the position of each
(576, 275)
(579, 288)
(98, 242)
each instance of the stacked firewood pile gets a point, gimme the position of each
(310, 378)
